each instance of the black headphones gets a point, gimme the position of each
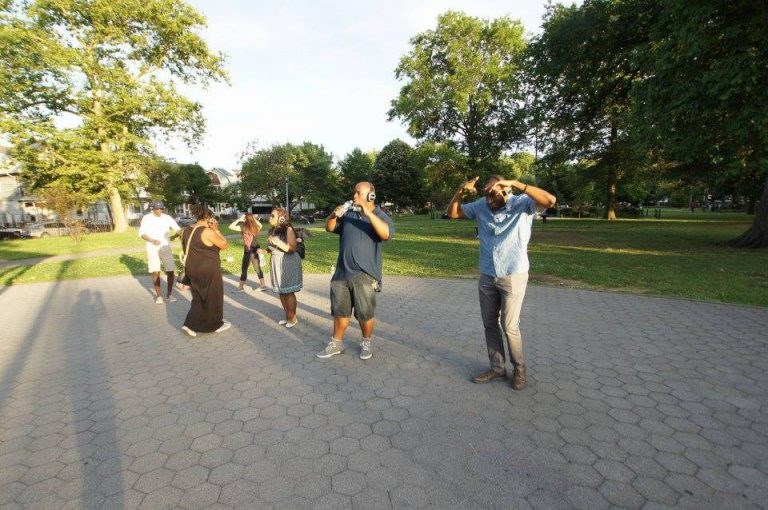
(281, 219)
(371, 196)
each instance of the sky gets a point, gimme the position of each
(320, 71)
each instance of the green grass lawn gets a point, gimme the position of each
(16, 249)
(683, 256)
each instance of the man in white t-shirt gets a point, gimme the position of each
(155, 230)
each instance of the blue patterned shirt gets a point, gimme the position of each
(504, 234)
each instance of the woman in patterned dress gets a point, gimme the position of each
(285, 266)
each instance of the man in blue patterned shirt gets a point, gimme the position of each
(504, 228)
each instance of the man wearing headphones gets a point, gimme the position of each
(361, 228)
(504, 223)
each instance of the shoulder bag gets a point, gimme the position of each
(183, 277)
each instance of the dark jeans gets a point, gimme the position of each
(250, 256)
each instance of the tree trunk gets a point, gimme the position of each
(757, 235)
(751, 204)
(115, 200)
(611, 175)
(118, 211)
(610, 210)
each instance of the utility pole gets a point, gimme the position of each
(287, 207)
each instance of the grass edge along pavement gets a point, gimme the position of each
(683, 258)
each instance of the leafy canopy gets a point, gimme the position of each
(87, 86)
(463, 85)
(307, 169)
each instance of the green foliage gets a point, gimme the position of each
(658, 90)
(319, 183)
(396, 176)
(357, 166)
(463, 86)
(110, 67)
(178, 184)
(703, 104)
(234, 195)
(582, 71)
(571, 183)
(704, 101)
(66, 202)
(519, 165)
(443, 167)
(308, 169)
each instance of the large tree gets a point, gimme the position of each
(443, 168)
(109, 71)
(178, 183)
(357, 166)
(703, 102)
(582, 70)
(319, 182)
(307, 169)
(463, 86)
(396, 178)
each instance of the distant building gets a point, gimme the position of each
(12, 211)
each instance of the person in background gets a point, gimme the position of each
(155, 229)
(203, 267)
(504, 223)
(249, 228)
(285, 264)
(362, 227)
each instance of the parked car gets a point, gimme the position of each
(47, 229)
(11, 233)
(185, 221)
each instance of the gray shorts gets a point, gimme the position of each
(358, 292)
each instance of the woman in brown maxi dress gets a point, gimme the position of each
(203, 266)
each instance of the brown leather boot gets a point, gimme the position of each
(519, 379)
(488, 376)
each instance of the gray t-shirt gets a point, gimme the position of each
(359, 245)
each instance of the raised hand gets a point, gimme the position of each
(499, 185)
(470, 185)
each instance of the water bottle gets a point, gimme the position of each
(262, 260)
(345, 207)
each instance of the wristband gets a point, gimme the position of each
(525, 188)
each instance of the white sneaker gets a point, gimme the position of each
(292, 324)
(282, 322)
(158, 300)
(223, 327)
(261, 289)
(238, 289)
(188, 331)
(171, 299)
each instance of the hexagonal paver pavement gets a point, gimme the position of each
(633, 402)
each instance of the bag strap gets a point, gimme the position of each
(186, 250)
